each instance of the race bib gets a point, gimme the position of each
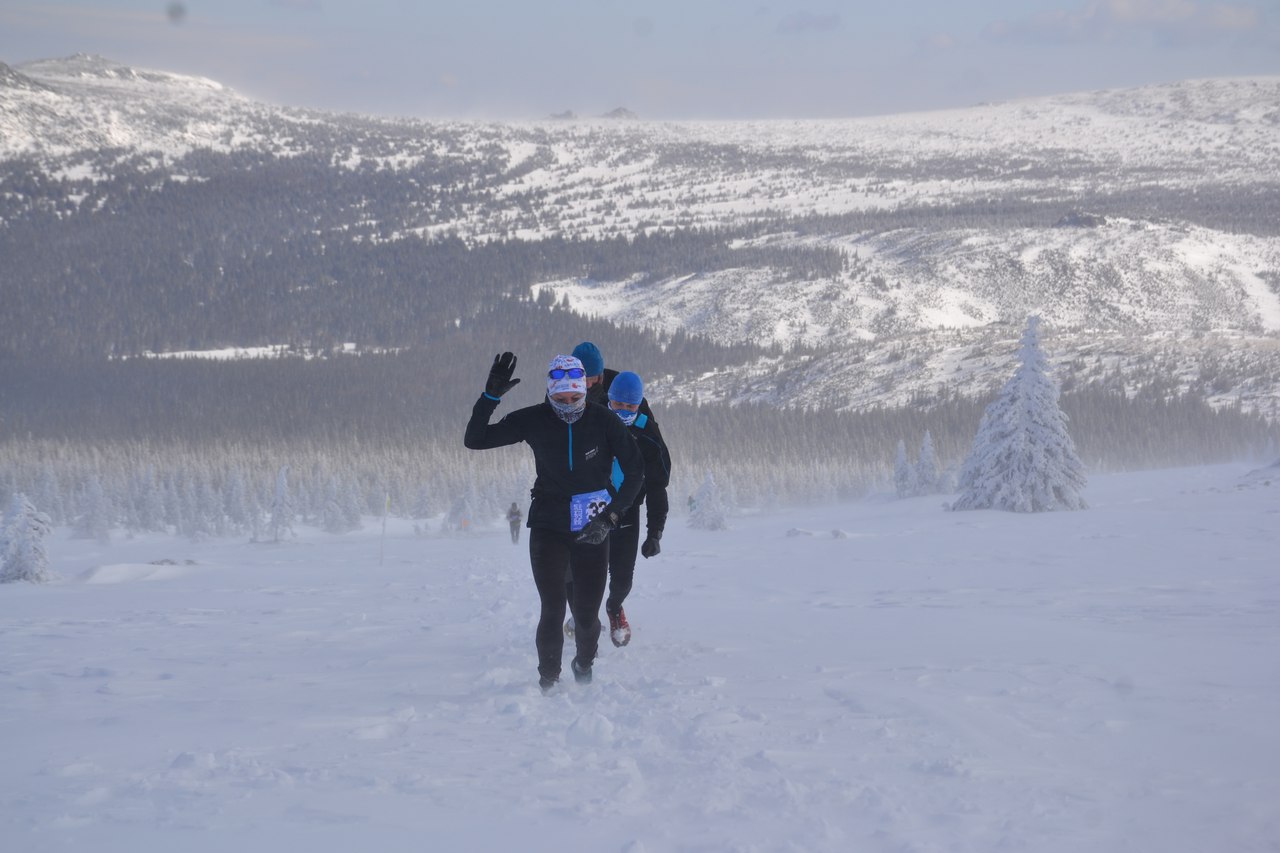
(584, 507)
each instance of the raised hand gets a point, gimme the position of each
(500, 381)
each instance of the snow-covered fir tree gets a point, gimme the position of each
(1023, 459)
(947, 480)
(149, 506)
(170, 491)
(923, 477)
(22, 533)
(928, 475)
(48, 495)
(282, 516)
(240, 507)
(904, 473)
(197, 513)
(332, 519)
(341, 512)
(212, 504)
(93, 521)
(353, 505)
(707, 507)
(422, 505)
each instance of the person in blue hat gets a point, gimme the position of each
(626, 395)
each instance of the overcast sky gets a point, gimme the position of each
(658, 58)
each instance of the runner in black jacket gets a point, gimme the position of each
(574, 505)
(625, 397)
(626, 394)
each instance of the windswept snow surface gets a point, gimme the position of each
(879, 676)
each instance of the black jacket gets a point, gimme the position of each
(570, 459)
(657, 472)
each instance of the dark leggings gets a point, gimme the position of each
(624, 543)
(554, 556)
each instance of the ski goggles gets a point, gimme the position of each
(562, 372)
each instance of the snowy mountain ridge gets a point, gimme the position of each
(1146, 263)
(57, 108)
(1198, 132)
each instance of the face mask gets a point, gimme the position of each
(626, 417)
(568, 412)
(565, 373)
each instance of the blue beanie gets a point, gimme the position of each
(627, 387)
(589, 354)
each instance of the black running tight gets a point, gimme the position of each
(555, 556)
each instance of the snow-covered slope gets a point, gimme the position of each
(913, 680)
(1120, 274)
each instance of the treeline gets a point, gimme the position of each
(357, 432)
(380, 397)
(400, 399)
(234, 487)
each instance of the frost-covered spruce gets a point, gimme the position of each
(282, 515)
(921, 478)
(928, 475)
(22, 533)
(1023, 459)
(341, 512)
(93, 521)
(904, 474)
(707, 511)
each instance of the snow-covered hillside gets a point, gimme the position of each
(914, 679)
(925, 310)
(1119, 274)
(1150, 275)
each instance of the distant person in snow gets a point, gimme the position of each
(575, 505)
(513, 518)
(625, 394)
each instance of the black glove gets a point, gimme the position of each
(598, 528)
(500, 381)
(650, 547)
